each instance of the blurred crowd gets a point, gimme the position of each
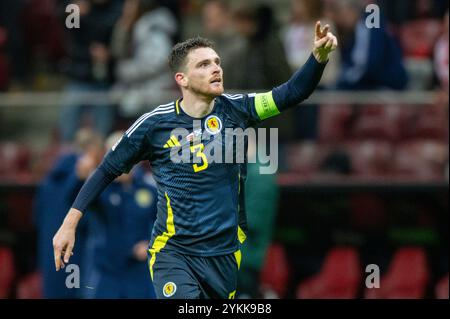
(122, 46)
(126, 42)
(112, 240)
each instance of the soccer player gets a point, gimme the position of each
(194, 251)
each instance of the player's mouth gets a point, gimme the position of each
(216, 80)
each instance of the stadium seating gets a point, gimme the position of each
(339, 277)
(419, 36)
(275, 272)
(14, 161)
(378, 122)
(7, 272)
(423, 159)
(42, 30)
(333, 122)
(432, 122)
(304, 158)
(406, 278)
(442, 287)
(4, 65)
(371, 157)
(30, 287)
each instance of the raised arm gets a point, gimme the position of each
(301, 85)
(304, 81)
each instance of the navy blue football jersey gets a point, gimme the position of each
(200, 201)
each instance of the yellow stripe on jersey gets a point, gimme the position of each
(238, 256)
(177, 106)
(240, 232)
(241, 235)
(175, 141)
(161, 240)
(265, 105)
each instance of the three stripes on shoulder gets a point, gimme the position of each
(162, 109)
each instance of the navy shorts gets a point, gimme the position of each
(181, 276)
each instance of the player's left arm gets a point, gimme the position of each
(303, 82)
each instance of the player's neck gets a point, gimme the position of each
(196, 106)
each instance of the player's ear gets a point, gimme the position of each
(181, 79)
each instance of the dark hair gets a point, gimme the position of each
(181, 50)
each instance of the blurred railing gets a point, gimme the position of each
(15, 102)
(36, 99)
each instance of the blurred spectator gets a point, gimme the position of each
(298, 37)
(441, 56)
(217, 24)
(261, 202)
(51, 203)
(175, 7)
(261, 64)
(119, 232)
(370, 57)
(336, 164)
(4, 65)
(43, 37)
(10, 18)
(401, 11)
(89, 66)
(142, 40)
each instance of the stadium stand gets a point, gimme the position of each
(339, 277)
(406, 278)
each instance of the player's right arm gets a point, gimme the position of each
(129, 150)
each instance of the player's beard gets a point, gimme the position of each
(209, 90)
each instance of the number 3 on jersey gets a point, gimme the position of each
(197, 149)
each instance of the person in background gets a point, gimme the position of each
(441, 56)
(261, 63)
(261, 203)
(15, 44)
(53, 196)
(298, 34)
(218, 27)
(142, 39)
(89, 67)
(119, 228)
(371, 59)
(4, 63)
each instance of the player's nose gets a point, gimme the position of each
(217, 69)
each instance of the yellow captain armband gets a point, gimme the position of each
(265, 105)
